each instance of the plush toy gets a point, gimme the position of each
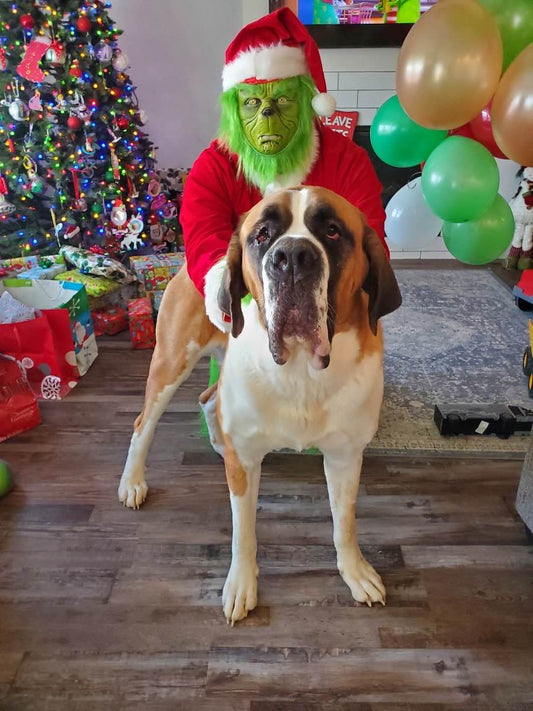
(521, 252)
(270, 137)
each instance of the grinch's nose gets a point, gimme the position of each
(267, 112)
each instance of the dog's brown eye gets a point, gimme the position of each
(333, 231)
(262, 235)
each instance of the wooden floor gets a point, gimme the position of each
(107, 608)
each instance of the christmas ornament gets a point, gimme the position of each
(114, 162)
(169, 210)
(3, 60)
(103, 52)
(89, 147)
(75, 69)
(71, 231)
(35, 103)
(56, 54)
(119, 215)
(6, 208)
(29, 67)
(123, 122)
(120, 61)
(27, 22)
(79, 203)
(154, 187)
(83, 24)
(74, 123)
(143, 117)
(18, 110)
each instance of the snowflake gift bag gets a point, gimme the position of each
(58, 345)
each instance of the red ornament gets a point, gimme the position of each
(27, 22)
(74, 123)
(123, 122)
(84, 24)
(75, 69)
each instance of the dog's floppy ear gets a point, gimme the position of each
(380, 284)
(233, 288)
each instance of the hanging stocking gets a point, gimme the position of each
(29, 67)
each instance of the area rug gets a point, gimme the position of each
(458, 337)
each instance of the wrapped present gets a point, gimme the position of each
(94, 286)
(100, 265)
(12, 267)
(154, 271)
(110, 321)
(142, 330)
(115, 299)
(43, 272)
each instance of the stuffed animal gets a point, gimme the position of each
(521, 252)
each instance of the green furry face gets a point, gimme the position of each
(269, 114)
(266, 163)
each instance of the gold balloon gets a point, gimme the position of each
(512, 110)
(449, 64)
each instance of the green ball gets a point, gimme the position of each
(460, 180)
(398, 140)
(483, 240)
(515, 23)
(6, 481)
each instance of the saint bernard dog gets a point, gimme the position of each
(302, 366)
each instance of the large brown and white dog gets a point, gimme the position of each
(302, 367)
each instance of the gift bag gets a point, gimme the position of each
(18, 407)
(58, 346)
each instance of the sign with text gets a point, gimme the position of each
(342, 122)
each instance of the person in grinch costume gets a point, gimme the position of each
(269, 138)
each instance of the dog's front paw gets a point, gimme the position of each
(239, 595)
(132, 491)
(365, 584)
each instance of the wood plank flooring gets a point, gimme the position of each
(107, 608)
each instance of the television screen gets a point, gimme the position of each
(356, 12)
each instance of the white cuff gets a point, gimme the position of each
(213, 281)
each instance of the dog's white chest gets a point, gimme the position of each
(265, 406)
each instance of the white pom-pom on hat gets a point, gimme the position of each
(324, 104)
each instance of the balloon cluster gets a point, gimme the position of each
(455, 113)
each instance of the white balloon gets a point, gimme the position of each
(509, 178)
(410, 223)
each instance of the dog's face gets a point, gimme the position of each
(304, 254)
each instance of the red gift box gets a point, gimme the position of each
(18, 407)
(142, 330)
(109, 321)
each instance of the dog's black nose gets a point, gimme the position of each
(294, 258)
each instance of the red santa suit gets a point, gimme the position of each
(215, 196)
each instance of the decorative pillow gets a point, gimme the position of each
(94, 285)
(97, 264)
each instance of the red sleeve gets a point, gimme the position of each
(206, 215)
(358, 183)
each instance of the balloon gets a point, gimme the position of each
(449, 64)
(509, 178)
(410, 223)
(483, 240)
(512, 110)
(481, 129)
(398, 140)
(460, 179)
(515, 22)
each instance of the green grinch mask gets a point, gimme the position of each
(269, 127)
(269, 114)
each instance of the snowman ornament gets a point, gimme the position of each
(521, 252)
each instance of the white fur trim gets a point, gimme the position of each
(324, 104)
(213, 280)
(265, 64)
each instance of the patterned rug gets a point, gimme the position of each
(457, 338)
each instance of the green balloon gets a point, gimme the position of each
(483, 240)
(460, 179)
(515, 22)
(6, 481)
(398, 140)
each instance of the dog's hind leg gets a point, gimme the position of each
(183, 334)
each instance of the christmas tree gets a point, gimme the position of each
(76, 166)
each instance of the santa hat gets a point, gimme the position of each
(276, 47)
